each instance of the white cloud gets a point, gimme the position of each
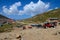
(34, 8)
(56, 7)
(53, 9)
(50, 9)
(30, 9)
(13, 8)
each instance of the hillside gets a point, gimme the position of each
(5, 25)
(3, 17)
(44, 16)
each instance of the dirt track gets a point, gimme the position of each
(32, 34)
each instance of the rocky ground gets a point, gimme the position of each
(32, 34)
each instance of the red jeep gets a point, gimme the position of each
(49, 25)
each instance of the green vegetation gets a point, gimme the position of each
(6, 28)
(44, 16)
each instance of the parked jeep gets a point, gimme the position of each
(48, 25)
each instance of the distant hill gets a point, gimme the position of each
(4, 25)
(44, 16)
(3, 17)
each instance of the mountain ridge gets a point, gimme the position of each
(3, 17)
(44, 16)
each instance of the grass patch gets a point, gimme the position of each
(6, 28)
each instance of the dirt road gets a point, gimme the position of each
(32, 34)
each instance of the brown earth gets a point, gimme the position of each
(32, 34)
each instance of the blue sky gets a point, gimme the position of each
(22, 9)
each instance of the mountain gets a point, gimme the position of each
(44, 16)
(3, 17)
